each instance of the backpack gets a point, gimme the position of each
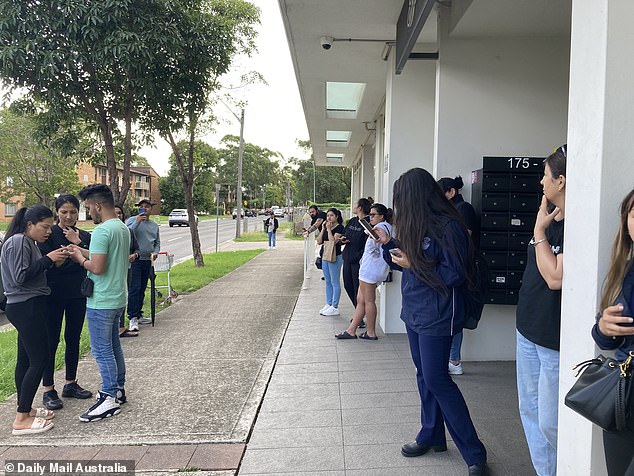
(475, 294)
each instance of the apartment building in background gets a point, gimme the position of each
(144, 184)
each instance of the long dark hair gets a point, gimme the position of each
(421, 210)
(447, 183)
(337, 214)
(364, 204)
(66, 198)
(381, 209)
(24, 216)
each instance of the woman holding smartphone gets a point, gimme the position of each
(615, 328)
(332, 271)
(24, 279)
(65, 302)
(434, 250)
(539, 318)
(354, 237)
(373, 270)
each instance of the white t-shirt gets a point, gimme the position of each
(373, 267)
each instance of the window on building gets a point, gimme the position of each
(10, 209)
(102, 172)
(9, 181)
(85, 178)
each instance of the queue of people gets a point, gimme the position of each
(53, 272)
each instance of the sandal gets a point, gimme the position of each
(345, 335)
(367, 337)
(39, 425)
(44, 413)
(129, 333)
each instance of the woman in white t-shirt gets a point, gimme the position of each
(372, 271)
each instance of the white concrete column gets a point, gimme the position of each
(496, 96)
(600, 172)
(409, 142)
(367, 172)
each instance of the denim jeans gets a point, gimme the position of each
(271, 238)
(332, 273)
(103, 326)
(139, 275)
(456, 344)
(538, 393)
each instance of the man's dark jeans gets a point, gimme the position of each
(139, 275)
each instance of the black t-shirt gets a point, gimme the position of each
(65, 281)
(539, 308)
(353, 251)
(319, 215)
(337, 229)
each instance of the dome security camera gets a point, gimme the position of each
(326, 42)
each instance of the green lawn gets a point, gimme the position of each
(252, 236)
(185, 278)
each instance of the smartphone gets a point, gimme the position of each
(396, 252)
(142, 211)
(626, 324)
(344, 239)
(369, 229)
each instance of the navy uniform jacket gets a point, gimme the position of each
(425, 310)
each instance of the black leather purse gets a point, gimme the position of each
(603, 393)
(87, 287)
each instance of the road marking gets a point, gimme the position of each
(174, 239)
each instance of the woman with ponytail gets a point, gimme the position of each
(24, 278)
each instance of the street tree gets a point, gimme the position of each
(206, 162)
(93, 60)
(33, 169)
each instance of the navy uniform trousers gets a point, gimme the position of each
(441, 400)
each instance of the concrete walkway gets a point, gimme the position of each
(346, 407)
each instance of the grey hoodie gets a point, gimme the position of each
(23, 269)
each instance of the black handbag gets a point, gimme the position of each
(318, 262)
(603, 393)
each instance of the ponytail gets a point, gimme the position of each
(383, 210)
(24, 216)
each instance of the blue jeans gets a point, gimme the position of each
(441, 401)
(271, 238)
(139, 275)
(332, 273)
(456, 344)
(103, 326)
(538, 393)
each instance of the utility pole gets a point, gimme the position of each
(239, 190)
(314, 181)
(217, 211)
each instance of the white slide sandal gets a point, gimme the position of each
(39, 425)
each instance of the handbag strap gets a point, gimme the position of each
(622, 395)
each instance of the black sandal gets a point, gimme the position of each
(345, 335)
(129, 333)
(367, 337)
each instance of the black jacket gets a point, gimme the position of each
(276, 225)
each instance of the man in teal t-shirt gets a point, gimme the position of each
(107, 266)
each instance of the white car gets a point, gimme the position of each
(179, 217)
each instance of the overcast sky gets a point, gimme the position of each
(273, 116)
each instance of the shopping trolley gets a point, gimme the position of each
(162, 262)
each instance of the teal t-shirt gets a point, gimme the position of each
(111, 238)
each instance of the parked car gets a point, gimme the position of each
(278, 212)
(235, 213)
(262, 211)
(249, 212)
(179, 217)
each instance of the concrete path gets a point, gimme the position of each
(345, 407)
(195, 379)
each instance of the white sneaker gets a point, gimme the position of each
(324, 309)
(105, 407)
(274, 248)
(455, 369)
(145, 320)
(333, 311)
(134, 324)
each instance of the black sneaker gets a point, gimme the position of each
(73, 390)
(105, 407)
(121, 398)
(51, 400)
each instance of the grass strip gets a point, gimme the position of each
(252, 236)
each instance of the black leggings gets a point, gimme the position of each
(351, 280)
(29, 318)
(75, 311)
(619, 452)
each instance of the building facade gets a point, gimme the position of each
(387, 85)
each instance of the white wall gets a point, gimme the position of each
(409, 142)
(367, 173)
(600, 173)
(497, 96)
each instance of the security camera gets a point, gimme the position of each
(326, 42)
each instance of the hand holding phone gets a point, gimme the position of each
(370, 230)
(614, 324)
(396, 252)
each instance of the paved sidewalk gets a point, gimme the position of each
(345, 407)
(195, 381)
